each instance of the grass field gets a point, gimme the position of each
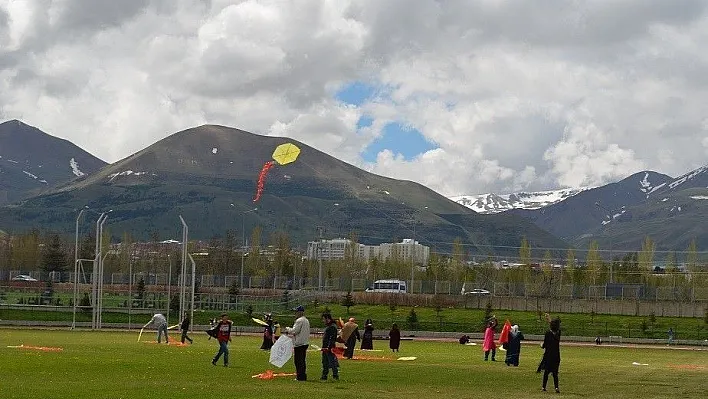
(115, 365)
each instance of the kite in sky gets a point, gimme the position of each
(283, 155)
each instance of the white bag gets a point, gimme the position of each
(281, 351)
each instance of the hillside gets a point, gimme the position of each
(200, 172)
(32, 162)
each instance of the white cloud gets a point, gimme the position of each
(516, 95)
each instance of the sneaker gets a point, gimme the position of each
(543, 389)
(558, 390)
(213, 362)
(226, 365)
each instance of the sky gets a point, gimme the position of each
(465, 97)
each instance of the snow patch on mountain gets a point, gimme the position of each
(495, 203)
(29, 174)
(125, 173)
(688, 176)
(75, 168)
(699, 197)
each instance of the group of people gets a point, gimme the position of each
(300, 334)
(511, 337)
(160, 322)
(349, 335)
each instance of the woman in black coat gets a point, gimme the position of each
(551, 357)
(367, 341)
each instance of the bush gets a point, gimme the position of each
(348, 301)
(85, 303)
(412, 319)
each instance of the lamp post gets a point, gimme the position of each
(243, 241)
(609, 219)
(76, 265)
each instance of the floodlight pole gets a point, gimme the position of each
(243, 241)
(194, 273)
(183, 286)
(609, 219)
(76, 267)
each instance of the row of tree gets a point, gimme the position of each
(276, 259)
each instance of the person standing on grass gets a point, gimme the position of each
(300, 333)
(268, 340)
(394, 338)
(160, 322)
(367, 340)
(513, 346)
(350, 334)
(551, 357)
(329, 338)
(671, 336)
(489, 345)
(224, 337)
(184, 326)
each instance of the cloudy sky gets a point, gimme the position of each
(463, 96)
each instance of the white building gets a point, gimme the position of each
(408, 250)
(335, 249)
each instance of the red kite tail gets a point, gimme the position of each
(261, 179)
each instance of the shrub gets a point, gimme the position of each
(412, 319)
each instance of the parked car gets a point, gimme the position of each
(24, 277)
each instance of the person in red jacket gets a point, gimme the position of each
(224, 337)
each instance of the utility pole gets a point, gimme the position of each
(319, 257)
(609, 219)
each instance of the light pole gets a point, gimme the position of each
(243, 240)
(609, 219)
(76, 265)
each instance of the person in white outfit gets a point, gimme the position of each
(160, 323)
(300, 333)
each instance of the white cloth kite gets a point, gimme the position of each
(281, 351)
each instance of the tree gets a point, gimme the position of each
(140, 292)
(692, 257)
(54, 258)
(412, 318)
(594, 262)
(671, 263)
(348, 301)
(525, 252)
(488, 313)
(234, 291)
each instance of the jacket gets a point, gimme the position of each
(301, 331)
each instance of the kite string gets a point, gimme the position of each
(371, 206)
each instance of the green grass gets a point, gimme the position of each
(114, 365)
(451, 320)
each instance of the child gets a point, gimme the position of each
(394, 338)
(329, 338)
(224, 337)
(489, 345)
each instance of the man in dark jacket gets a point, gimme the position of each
(329, 338)
(184, 326)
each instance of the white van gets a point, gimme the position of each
(395, 286)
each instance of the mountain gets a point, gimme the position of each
(495, 203)
(31, 161)
(208, 175)
(618, 216)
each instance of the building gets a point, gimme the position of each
(336, 249)
(408, 250)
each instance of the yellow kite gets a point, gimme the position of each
(286, 153)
